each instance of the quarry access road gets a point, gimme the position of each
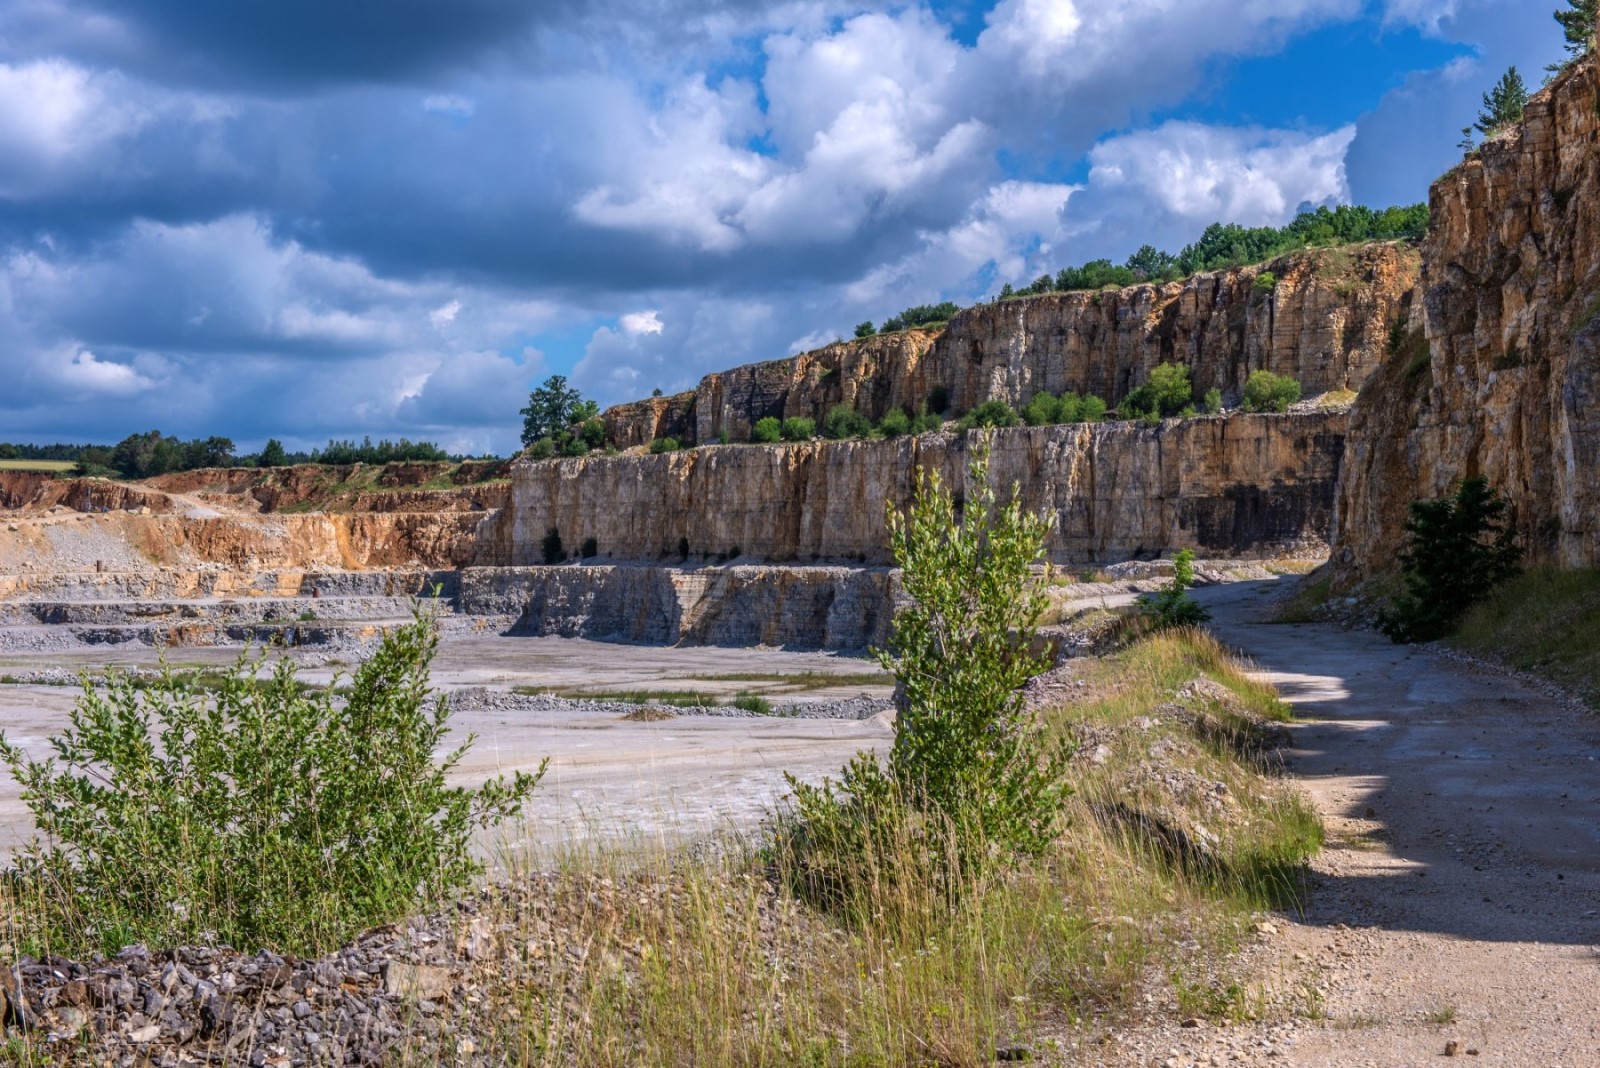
(1458, 897)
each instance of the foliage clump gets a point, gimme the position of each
(766, 431)
(1168, 393)
(1047, 409)
(660, 445)
(256, 812)
(972, 780)
(1265, 391)
(991, 413)
(843, 421)
(558, 412)
(1461, 547)
(799, 428)
(1172, 605)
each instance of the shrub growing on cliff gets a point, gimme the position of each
(991, 413)
(843, 422)
(1268, 392)
(542, 449)
(552, 408)
(766, 431)
(799, 428)
(971, 780)
(660, 445)
(593, 433)
(1046, 409)
(1168, 393)
(263, 814)
(1460, 548)
(894, 424)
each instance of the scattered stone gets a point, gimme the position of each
(1452, 1048)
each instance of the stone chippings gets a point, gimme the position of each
(485, 699)
(434, 990)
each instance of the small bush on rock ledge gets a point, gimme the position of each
(263, 815)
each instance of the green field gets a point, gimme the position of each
(36, 465)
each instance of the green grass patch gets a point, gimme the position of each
(1545, 621)
(1310, 595)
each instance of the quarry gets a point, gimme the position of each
(678, 628)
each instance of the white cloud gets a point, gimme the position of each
(635, 323)
(83, 371)
(444, 314)
(1250, 176)
(1427, 14)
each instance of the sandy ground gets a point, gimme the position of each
(1458, 899)
(607, 777)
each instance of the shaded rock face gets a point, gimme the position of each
(1508, 386)
(845, 609)
(1243, 485)
(1325, 322)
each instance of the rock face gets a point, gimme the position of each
(1242, 485)
(845, 609)
(1326, 322)
(1508, 385)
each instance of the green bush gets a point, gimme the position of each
(971, 781)
(1043, 410)
(573, 446)
(1266, 282)
(660, 445)
(593, 433)
(589, 550)
(799, 428)
(751, 703)
(991, 413)
(260, 814)
(551, 547)
(1212, 405)
(843, 421)
(542, 449)
(925, 421)
(1046, 409)
(1168, 393)
(894, 423)
(1172, 606)
(1460, 548)
(866, 329)
(1268, 392)
(766, 431)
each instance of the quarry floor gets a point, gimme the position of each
(1458, 897)
(1457, 900)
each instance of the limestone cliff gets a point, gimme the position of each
(1508, 384)
(1325, 321)
(1243, 485)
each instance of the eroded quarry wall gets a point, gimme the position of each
(1325, 322)
(1508, 384)
(1238, 485)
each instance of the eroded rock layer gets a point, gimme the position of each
(1508, 382)
(1241, 485)
(1324, 319)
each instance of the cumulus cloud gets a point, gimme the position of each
(646, 322)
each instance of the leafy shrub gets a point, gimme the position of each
(1268, 392)
(660, 445)
(263, 814)
(573, 446)
(866, 329)
(1266, 282)
(589, 550)
(1168, 393)
(1212, 405)
(925, 421)
(766, 431)
(1043, 410)
(799, 428)
(843, 421)
(971, 780)
(542, 449)
(894, 423)
(1046, 409)
(1460, 548)
(920, 315)
(551, 547)
(593, 433)
(991, 413)
(1172, 606)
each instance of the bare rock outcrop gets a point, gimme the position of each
(1508, 383)
(1324, 319)
(1240, 485)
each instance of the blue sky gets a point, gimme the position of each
(318, 218)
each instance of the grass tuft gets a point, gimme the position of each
(1545, 621)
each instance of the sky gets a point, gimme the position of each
(310, 219)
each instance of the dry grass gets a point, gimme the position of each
(1546, 621)
(52, 466)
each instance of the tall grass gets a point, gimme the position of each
(1546, 621)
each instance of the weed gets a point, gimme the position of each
(1440, 1017)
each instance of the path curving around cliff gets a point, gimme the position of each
(1458, 897)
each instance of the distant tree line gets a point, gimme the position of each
(154, 453)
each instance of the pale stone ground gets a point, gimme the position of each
(1459, 897)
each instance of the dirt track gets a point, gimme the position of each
(1458, 899)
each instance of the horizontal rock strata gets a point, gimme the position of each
(1242, 485)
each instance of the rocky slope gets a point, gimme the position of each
(1240, 485)
(1326, 322)
(1508, 383)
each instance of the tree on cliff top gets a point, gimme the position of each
(552, 408)
(1503, 105)
(1578, 25)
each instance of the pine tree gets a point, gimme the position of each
(1579, 25)
(1504, 104)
